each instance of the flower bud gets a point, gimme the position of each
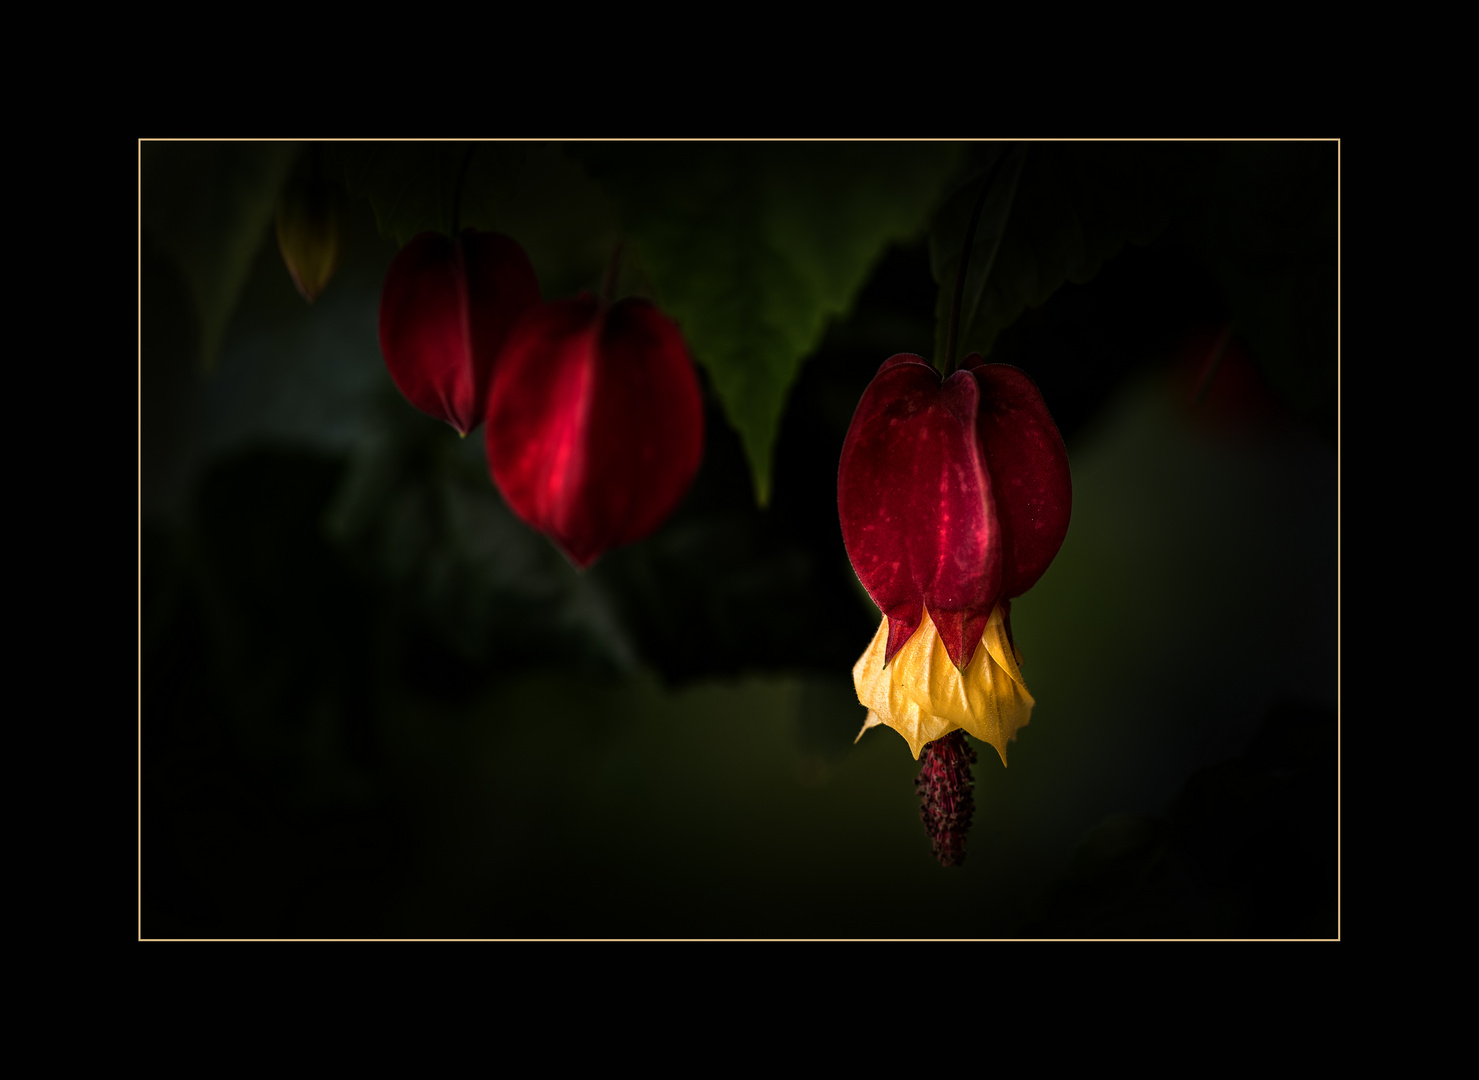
(310, 225)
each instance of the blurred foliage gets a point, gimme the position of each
(1270, 231)
(375, 703)
(1057, 212)
(754, 247)
(535, 192)
(206, 204)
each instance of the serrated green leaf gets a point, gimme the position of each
(754, 247)
(1072, 207)
(208, 204)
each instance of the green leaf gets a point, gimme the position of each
(209, 204)
(1055, 216)
(754, 247)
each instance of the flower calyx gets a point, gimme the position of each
(954, 495)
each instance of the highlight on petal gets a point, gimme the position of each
(923, 696)
(595, 423)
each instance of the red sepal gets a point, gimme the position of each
(953, 495)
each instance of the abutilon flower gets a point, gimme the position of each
(954, 497)
(595, 422)
(445, 310)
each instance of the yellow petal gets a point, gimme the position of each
(873, 720)
(1000, 703)
(880, 689)
(923, 696)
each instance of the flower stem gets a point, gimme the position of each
(608, 283)
(457, 188)
(952, 336)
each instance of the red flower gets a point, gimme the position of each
(445, 310)
(595, 423)
(954, 497)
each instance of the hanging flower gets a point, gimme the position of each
(595, 422)
(446, 308)
(954, 497)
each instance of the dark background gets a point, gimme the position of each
(375, 704)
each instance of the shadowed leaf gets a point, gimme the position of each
(533, 192)
(754, 247)
(1055, 216)
(1274, 244)
(208, 204)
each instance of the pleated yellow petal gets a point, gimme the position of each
(932, 687)
(1001, 648)
(999, 702)
(878, 689)
(924, 697)
(870, 678)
